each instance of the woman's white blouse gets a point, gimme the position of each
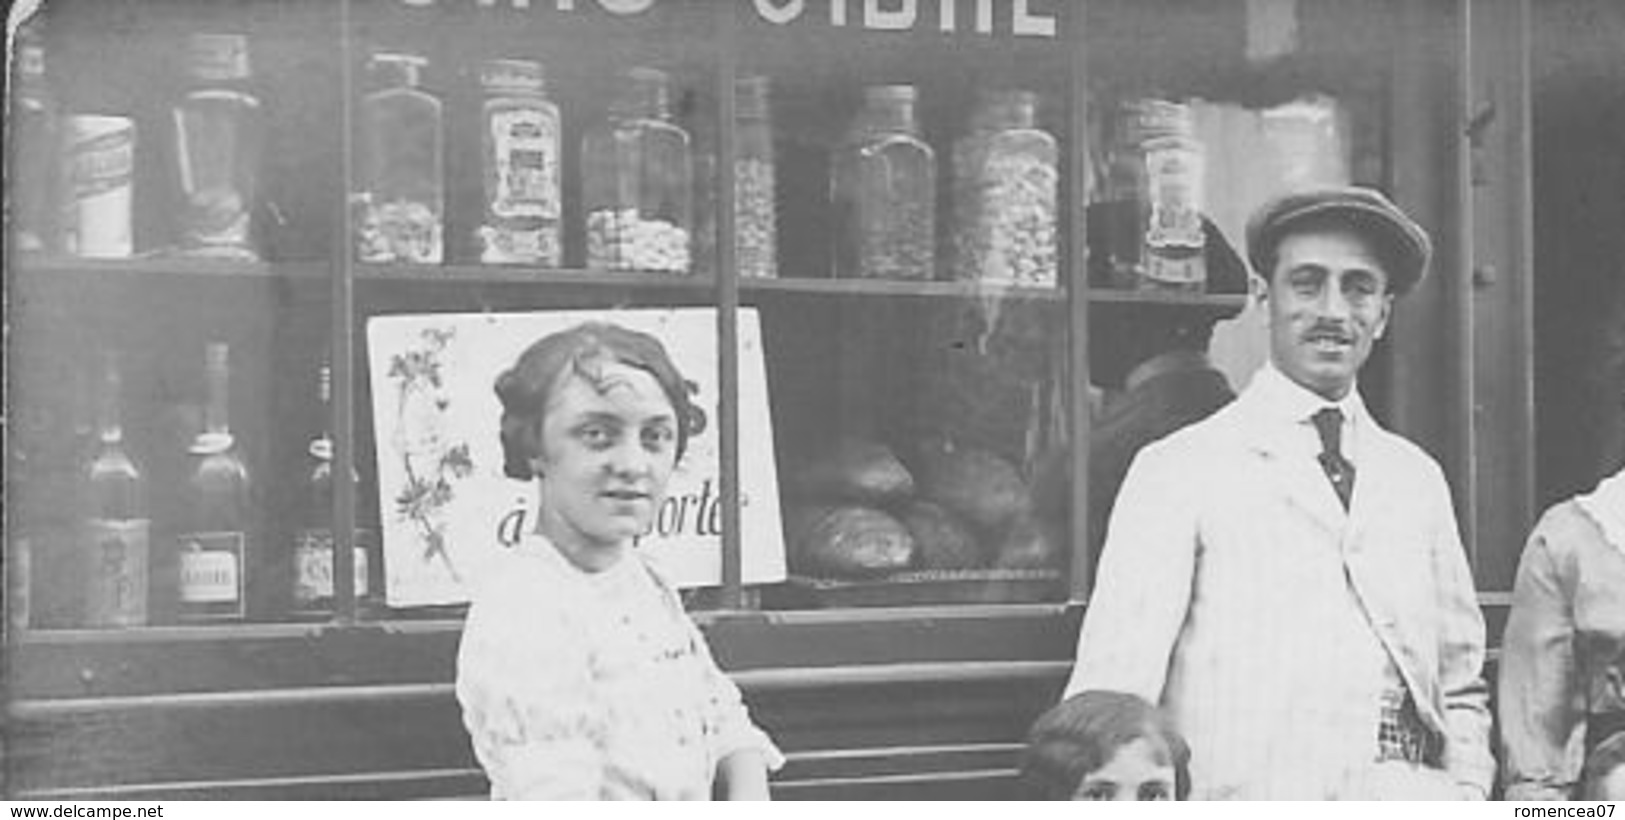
(588, 686)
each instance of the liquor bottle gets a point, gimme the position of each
(218, 133)
(313, 547)
(399, 207)
(216, 540)
(34, 125)
(116, 526)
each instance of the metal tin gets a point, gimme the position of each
(100, 165)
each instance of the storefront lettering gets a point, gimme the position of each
(904, 15)
(874, 15)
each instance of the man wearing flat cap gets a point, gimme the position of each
(1286, 577)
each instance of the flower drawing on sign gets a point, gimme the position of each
(432, 462)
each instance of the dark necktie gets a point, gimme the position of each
(1329, 423)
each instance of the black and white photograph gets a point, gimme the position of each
(813, 400)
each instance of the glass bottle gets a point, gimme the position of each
(1006, 176)
(521, 163)
(116, 525)
(400, 172)
(34, 128)
(216, 538)
(219, 133)
(884, 192)
(755, 190)
(638, 181)
(1158, 164)
(314, 542)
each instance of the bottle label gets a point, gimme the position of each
(211, 568)
(525, 164)
(1173, 235)
(117, 553)
(100, 167)
(313, 567)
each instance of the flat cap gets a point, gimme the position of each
(1400, 243)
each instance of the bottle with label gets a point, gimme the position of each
(399, 201)
(755, 194)
(884, 192)
(1006, 175)
(215, 543)
(314, 542)
(521, 161)
(637, 181)
(116, 526)
(219, 134)
(1158, 164)
(33, 129)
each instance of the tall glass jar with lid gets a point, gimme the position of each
(520, 144)
(883, 191)
(219, 134)
(637, 181)
(1006, 175)
(400, 171)
(755, 196)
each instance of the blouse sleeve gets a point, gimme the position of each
(728, 725)
(1540, 724)
(525, 690)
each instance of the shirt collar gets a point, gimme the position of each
(1294, 403)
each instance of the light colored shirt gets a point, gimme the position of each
(1237, 593)
(579, 685)
(1563, 654)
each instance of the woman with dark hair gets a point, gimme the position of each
(1099, 745)
(579, 674)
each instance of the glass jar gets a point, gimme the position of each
(1006, 175)
(219, 133)
(755, 190)
(1158, 164)
(521, 165)
(637, 181)
(883, 191)
(400, 176)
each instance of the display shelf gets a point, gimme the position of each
(156, 265)
(1145, 297)
(884, 287)
(519, 274)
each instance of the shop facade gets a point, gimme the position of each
(898, 223)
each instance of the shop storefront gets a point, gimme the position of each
(280, 243)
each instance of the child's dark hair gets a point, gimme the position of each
(1603, 759)
(1080, 735)
(526, 388)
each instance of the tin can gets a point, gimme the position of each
(99, 166)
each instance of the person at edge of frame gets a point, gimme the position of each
(1561, 695)
(1286, 577)
(579, 674)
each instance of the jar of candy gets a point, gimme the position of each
(637, 181)
(219, 133)
(1006, 176)
(400, 171)
(883, 192)
(755, 196)
(521, 165)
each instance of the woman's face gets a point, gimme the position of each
(1137, 771)
(608, 448)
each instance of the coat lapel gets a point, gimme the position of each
(1297, 479)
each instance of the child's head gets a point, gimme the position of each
(1105, 746)
(1604, 775)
